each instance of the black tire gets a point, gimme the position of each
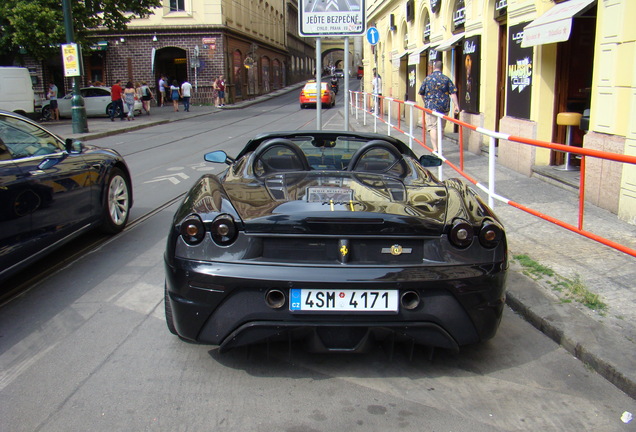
(46, 113)
(109, 108)
(168, 308)
(302, 106)
(116, 202)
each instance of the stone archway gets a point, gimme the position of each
(171, 62)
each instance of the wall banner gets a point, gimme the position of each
(519, 74)
(470, 75)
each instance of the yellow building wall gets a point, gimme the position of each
(613, 110)
(254, 18)
(613, 107)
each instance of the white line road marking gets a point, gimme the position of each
(170, 177)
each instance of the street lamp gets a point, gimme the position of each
(78, 112)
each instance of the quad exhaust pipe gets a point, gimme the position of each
(410, 300)
(275, 299)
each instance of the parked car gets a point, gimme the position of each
(97, 102)
(53, 190)
(308, 95)
(360, 73)
(337, 238)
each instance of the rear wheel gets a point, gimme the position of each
(116, 202)
(168, 309)
(46, 113)
(110, 108)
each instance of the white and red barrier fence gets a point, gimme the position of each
(379, 110)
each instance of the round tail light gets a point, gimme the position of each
(223, 230)
(490, 235)
(192, 230)
(461, 234)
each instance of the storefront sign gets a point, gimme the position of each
(501, 4)
(519, 74)
(470, 75)
(211, 42)
(459, 15)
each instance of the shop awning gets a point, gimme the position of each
(554, 25)
(399, 55)
(414, 56)
(449, 43)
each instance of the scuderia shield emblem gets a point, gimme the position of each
(396, 250)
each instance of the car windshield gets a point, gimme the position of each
(23, 139)
(334, 153)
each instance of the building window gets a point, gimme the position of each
(177, 5)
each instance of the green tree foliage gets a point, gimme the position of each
(37, 26)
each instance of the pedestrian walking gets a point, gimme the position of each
(175, 94)
(186, 93)
(130, 94)
(219, 86)
(52, 96)
(116, 101)
(146, 97)
(162, 85)
(437, 91)
(376, 91)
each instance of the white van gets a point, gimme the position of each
(16, 91)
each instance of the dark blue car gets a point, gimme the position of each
(52, 190)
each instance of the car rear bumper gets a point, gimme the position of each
(225, 304)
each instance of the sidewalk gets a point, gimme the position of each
(99, 127)
(603, 339)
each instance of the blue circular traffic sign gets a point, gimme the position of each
(373, 35)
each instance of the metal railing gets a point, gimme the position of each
(359, 103)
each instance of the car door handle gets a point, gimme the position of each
(36, 172)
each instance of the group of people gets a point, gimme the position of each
(174, 92)
(127, 96)
(437, 91)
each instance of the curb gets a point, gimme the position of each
(584, 338)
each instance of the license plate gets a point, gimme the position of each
(343, 300)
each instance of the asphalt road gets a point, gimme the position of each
(86, 348)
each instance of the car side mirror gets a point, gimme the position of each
(430, 161)
(73, 146)
(218, 156)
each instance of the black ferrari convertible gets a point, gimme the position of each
(338, 239)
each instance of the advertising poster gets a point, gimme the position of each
(331, 17)
(411, 84)
(70, 58)
(519, 74)
(469, 99)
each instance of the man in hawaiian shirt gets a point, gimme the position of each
(437, 90)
